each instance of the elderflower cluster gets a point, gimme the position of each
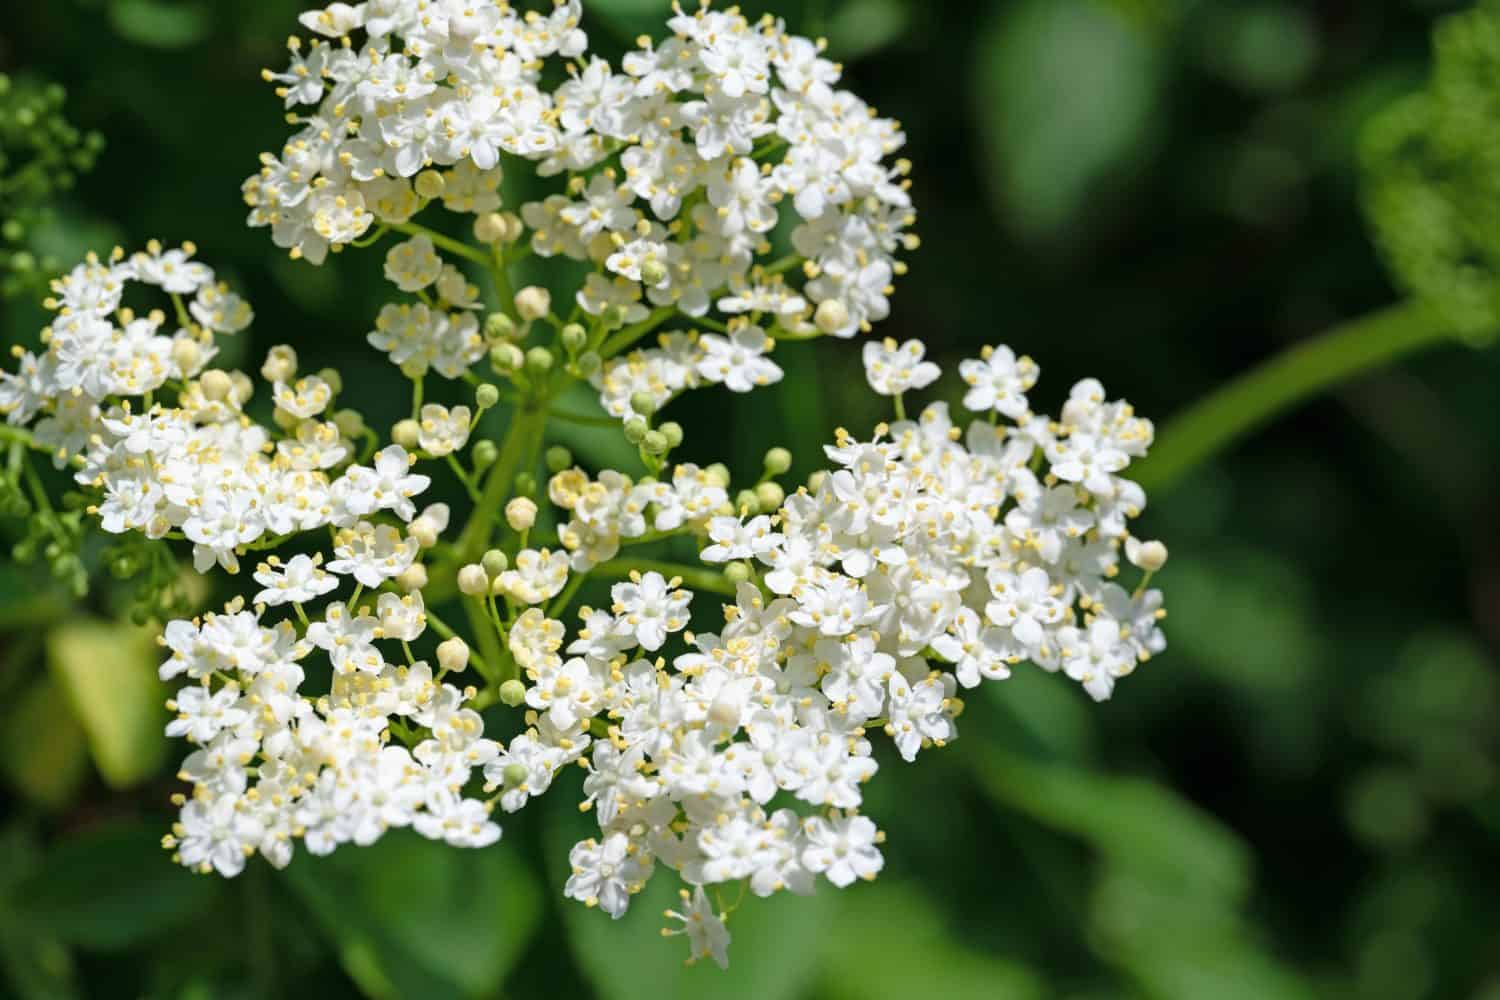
(678, 168)
(929, 557)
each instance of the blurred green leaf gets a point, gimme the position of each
(111, 887)
(36, 965)
(861, 27)
(43, 750)
(1261, 47)
(1065, 95)
(891, 939)
(161, 24)
(1135, 823)
(414, 918)
(108, 673)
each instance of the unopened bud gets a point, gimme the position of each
(351, 423)
(520, 513)
(506, 358)
(333, 379)
(718, 474)
(216, 385)
(770, 495)
(424, 531)
(453, 654)
(533, 302)
(815, 481)
(281, 364)
(512, 693)
(186, 354)
(778, 461)
(574, 337)
(588, 363)
(514, 227)
(539, 361)
(498, 326)
(653, 273)
(407, 433)
(747, 501)
(737, 573)
(489, 228)
(636, 429)
(413, 578)
(643, 403)
(484, 454)
(486, 396)
(1149, 556)
(494, 562)
(559, 458)
(832, 316)
(673, 431)
(514, 774)
(655, 443)
(473, 581)
(430, 184)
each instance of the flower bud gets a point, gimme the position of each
(334, 380)
(718, 475)
(832, 316)
(494, 563)
(281, 364)
(613, 316)
(815, 481)
(512, 693)
(770, 495)
(281, 418)
(514, 227)
(539, 361)
(430, 185)
(216, 385)
(1149, 556)
(778, 461)
(486, 395)
(655, 443)
(473, 581)
(506, 358)
(574, 337)
(489, 228)
(498, 326)
(424, 531)
(653, 273)
(351, 423)
(186, 354)
(484, 454)
(673, 431)
(589, 363)
(520, 513)
(414, 368)
(453, 654)
(737, 573)
(559, 458)
(533, 302)
(635, 429)
(747, 501)
(243, 387)
(413, 578)
(407, 433)
(525, 484)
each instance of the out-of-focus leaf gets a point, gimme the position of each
(890, 940)
(602, 447)
(29, 597)
(1135, 823)
(43, 750)
(1051, 719)
(111, 887)
(36, 965)
(414, 918)
(108, 673)
(1064, 96)
(860, 27)
(774, 954)
(1261, 47)
(161, 24)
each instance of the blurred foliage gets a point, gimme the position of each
(1298, 799)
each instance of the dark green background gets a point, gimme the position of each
(1296, 800)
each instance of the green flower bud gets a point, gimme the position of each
(333, 378)
(747, 501)
(559, 458)
(473, 581)
(588, 364)
(506, 358)
(512, 693)
(718, 474)
(655, 443)
(771, 495)
(778, 461)
(525, 484)
(486, 396)
(636, 429)
(673, 431)
(407, 433)
(430, 184)
(574, 337)
(484, 454)
(494, 562)
(498, 326)
(539, 361)
(643, 403)
(613, 317)
(351, 423)
(653, 273)
(514, 774)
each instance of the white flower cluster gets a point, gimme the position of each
(274, 765)
(678, 168)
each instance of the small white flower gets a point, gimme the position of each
(892, 370)
(739, 362)
(648, 609)
(298, 580)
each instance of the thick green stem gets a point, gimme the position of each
(695, 577)
(521, 441)
(1263, 393)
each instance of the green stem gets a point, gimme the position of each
(446, 242)
(630, 334)
(1298, 373)
(695, 577)
(526, 426)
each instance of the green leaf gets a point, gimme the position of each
(875, 957)
(111, 887)
(774, 954)
(159, 24)
(108, 673)
(37, 966)
(863, 27)
(414, 918)
(1065, 96)
(1134, 823)
(43, 751)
